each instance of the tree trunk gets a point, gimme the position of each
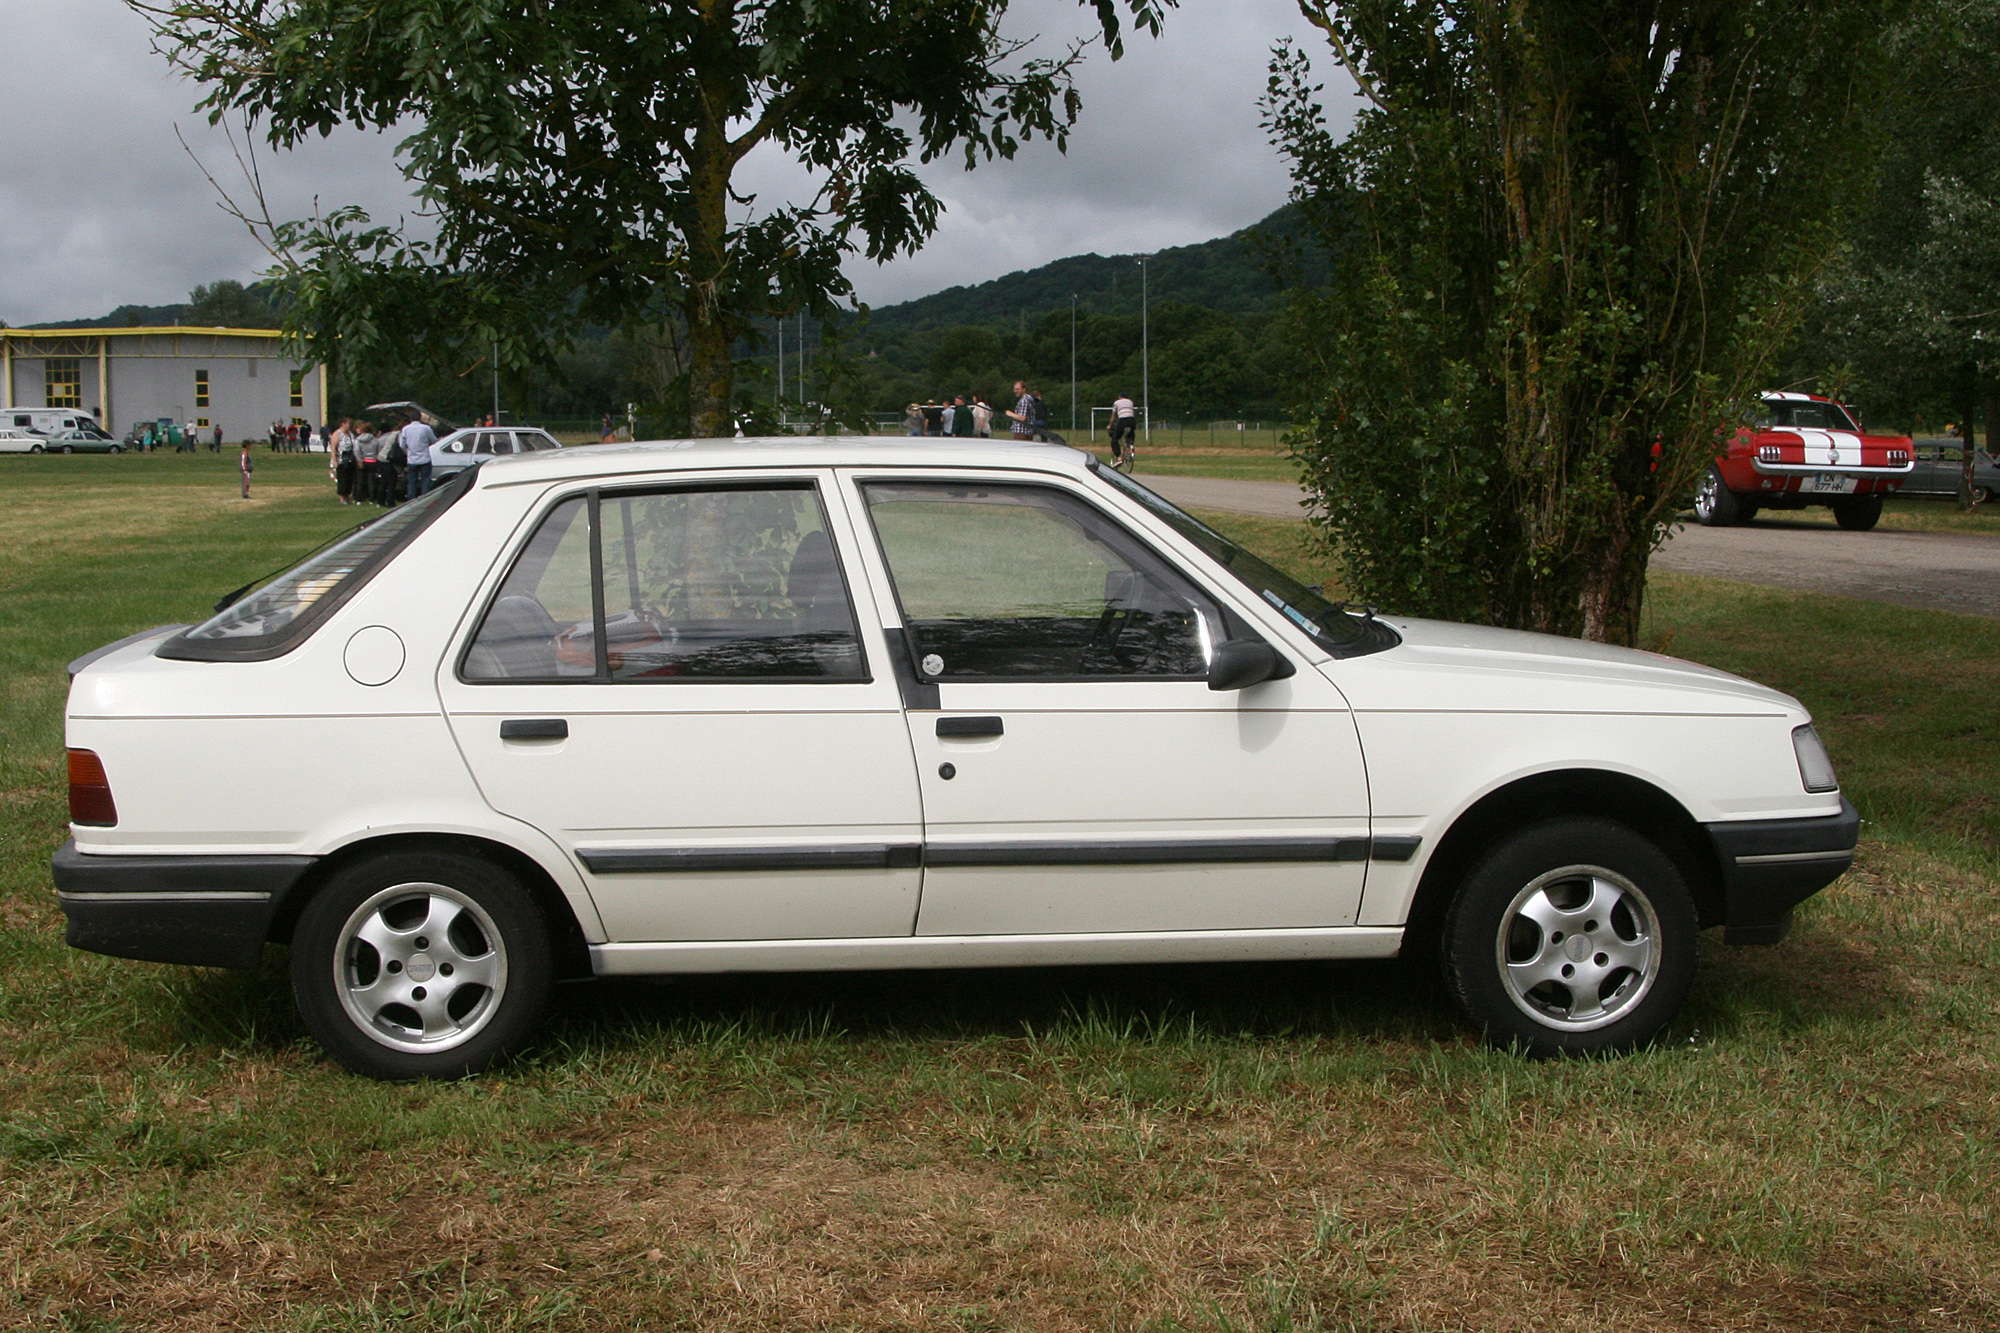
(1968, 406)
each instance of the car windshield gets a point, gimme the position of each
(281, 613)
(1345, 633)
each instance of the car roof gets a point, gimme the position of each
(785, 451)
(1794, 397)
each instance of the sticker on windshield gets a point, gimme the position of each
(1296, 616)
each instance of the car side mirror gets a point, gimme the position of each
(1241, 663)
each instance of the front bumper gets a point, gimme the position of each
(210, 911)
(1770, 866)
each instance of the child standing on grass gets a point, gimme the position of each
(244, 468)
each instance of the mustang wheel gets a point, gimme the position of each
(1715, 505)
(421, 965)
(1569, 937)
(1858, 513)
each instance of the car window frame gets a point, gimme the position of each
(594, 495)
(1232, 624)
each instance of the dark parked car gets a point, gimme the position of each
(1940, 470)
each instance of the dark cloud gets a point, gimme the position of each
(110, 209)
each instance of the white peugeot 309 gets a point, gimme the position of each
(799, 705)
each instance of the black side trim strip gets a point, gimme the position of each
(656, 860)
(1394, 849)
(1185, 851)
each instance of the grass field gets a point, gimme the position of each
(1814, 1144)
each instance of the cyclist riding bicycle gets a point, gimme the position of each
(1124, 425)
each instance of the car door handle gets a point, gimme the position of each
(534, 729)
(970, 726)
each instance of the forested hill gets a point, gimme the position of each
(1230, 273)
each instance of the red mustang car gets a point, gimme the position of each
(1803, 450)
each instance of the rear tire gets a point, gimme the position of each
(421, 965)
(1858, 513)
(1571, 937)
(1715, 505)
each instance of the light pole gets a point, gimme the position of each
(1072, 363)
(1145, 357)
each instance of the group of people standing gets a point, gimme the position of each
(1028, 419)
(381, 469)
(182, 439)
(965, 419)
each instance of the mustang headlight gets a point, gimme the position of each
(1815, 769)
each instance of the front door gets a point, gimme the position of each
(669, 683)
(1078, 774)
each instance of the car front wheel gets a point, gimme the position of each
(1715, 505)
(68, 449)
(421, 965)
(1571, 937)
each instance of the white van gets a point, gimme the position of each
(49, 420)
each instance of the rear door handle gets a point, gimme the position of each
(970, 726)
(534, 729)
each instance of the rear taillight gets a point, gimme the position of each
(89, 790)
(1899, 455)
(1769, 453)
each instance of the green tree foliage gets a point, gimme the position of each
(1571, 236)
(579, 159)
(1910, 316)
(227, 303)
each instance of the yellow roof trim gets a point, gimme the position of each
(149, 329)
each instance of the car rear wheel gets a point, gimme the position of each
(1571, 937)
(1858, 513)
(1715, 505)
(421, 965)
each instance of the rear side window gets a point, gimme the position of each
(279, 616)
(706, 584)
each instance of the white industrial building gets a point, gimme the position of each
(237, 379)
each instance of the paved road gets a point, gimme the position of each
(1942, 571)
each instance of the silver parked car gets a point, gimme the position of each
(465, 448)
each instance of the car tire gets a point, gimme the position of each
(1571, 937)
(68, 449)
(1858, 513)
(1715, 505)
(421, 965)
(1981, 494)
(117, 449)
(34, 448)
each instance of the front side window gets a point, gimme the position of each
(62, 382)
(1021, 581)
(680, 585)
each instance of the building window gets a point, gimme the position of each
(63, 380)
(298, 388)
(202, 422)
(201, 389)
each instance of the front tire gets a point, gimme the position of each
(1715, 505)
(69, 449)
(1571, 937)
(1858, 513)
(421, 965)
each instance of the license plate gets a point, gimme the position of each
(1830, 483)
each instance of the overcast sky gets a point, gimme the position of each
(107, 208)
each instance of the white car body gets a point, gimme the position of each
(697, 826)
(16, 440)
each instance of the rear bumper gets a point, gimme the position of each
(210, 911)
(1770, 866)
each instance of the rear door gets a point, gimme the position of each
(669, 681)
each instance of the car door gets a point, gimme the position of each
(1078, 774)
(669, 682)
